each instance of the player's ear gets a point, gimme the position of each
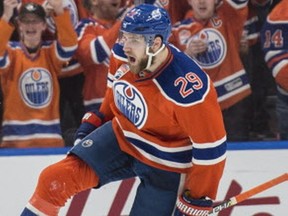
(157, 43)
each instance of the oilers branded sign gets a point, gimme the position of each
(130, 102)
(36, 87)
(216, 51)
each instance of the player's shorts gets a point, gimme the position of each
(158, 189)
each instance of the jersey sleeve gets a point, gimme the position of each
(5, 34)
(95, 42)
(275, 44)
(206, 130)
(71, 68)
(234, 10)
(66, 43)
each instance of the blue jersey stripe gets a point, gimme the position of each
(180, 156)
(210, 153)
(29, 129)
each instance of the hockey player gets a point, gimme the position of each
(163, 125)
(275, 46)
(97, 35)
(29, 71)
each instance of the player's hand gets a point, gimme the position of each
(90, 121)
(187, 206)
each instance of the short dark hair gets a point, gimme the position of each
(32, 8)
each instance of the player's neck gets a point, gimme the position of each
(159, 59)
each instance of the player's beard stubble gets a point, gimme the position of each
(137, 68)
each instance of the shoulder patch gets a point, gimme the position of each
(183, 82)
(121, 71)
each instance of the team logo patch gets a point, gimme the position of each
(123, 69)
(36, 87)
(155, 14)
(130, 102)
(87, 143)
(216, 51)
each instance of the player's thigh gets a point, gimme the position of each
(157, 192)
(101, 151)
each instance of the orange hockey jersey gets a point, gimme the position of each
(275, 45)
(96, 39)
(30, 87)
(221, 60)
(169, 119)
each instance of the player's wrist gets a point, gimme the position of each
(188, 206)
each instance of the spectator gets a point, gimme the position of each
(212, 37)
(259, 116)
(71, 102)
(189, 137)
(96, 36)
(29, 70)
(275, 46)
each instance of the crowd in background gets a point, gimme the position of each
(250, 115)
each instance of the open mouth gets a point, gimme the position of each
(30, 32)
(131, 59)
(202, 9)
(115, 5)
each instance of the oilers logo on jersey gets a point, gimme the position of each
(216, 51)
(36, 87)
(130, 102)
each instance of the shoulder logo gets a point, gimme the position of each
(36, 87)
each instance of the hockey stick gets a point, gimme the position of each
(249, 193)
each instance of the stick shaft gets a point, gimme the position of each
(249, 193)
(243, 196)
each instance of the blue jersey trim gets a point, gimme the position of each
(179, 157)
(33, 151)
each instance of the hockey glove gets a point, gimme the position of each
(187, 206)
(90, 121)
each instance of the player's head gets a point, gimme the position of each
(33, 9)
(149, 21)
